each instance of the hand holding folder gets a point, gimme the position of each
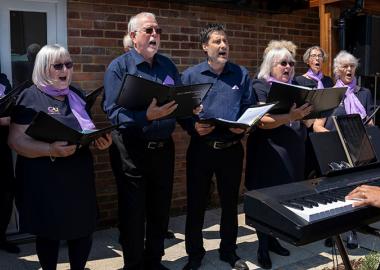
(249, 118)
(48, 129)
(324, 101)
(137, 94)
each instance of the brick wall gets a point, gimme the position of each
(95, 31)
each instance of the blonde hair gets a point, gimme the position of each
(47, 56)
(289, 45)
(270, 58)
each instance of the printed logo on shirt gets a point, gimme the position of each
(53, 110)
(235, 87)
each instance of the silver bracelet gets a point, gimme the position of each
(51, 157)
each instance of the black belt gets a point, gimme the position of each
(152, 145)
(221, 144)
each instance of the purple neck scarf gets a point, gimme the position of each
(272, 79)
(77, 105)
(2, 90)
(316, 77)
(351, 102)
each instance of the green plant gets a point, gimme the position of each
(371, 261)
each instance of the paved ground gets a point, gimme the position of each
(106, 254)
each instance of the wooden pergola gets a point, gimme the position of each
(329, 13)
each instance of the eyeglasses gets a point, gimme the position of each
(315, 56)
(59, 66)
(149, 30)
(285, 63)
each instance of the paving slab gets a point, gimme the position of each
(106, 252)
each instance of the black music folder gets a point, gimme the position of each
(250, 117)
(355, 141)
(324, 101)
(7, 101)
(137, 93)
(48, 129)
(90, 97)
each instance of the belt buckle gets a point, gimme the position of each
(152, 145)
(215, 145)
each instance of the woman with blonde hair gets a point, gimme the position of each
(55, 197)
(279, 142)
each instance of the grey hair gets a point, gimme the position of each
(134, 25)
(270, 59)
(344, 57)
(307, 54)
(48, 55)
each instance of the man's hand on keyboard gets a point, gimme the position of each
(365, 195)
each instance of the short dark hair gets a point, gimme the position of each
(208, 29)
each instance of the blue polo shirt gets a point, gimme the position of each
(230, 95)
(133, 63)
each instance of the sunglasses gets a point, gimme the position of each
(149, 30)
(285, 63)
(59, 66)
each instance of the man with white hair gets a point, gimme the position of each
(142, 155)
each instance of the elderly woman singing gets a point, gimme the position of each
(314, 78)
(357, 99)
(279, 142)
(55, 181)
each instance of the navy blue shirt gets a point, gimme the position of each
(133, 63)
(229, 96)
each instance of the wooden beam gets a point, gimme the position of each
(316, 3)
(325, 37)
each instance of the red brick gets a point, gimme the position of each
(91, 33)
(114, 34)
(93, 68)
(104, 25)
(83, 24)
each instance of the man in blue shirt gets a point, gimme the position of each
(216, 150)
(142, 155)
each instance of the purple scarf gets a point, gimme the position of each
(77, 105)
(272, 79)
(351, 102)
(316, 77)
(2, 90)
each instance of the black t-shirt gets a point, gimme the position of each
(274, 156)
(302, 80)
(6, 167)
(52, 196)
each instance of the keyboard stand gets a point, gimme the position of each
(342, 252)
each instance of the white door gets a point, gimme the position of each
(26, 22)
(23, 23)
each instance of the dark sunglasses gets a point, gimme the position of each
(284, 63)
(59, 66)
(149, 30)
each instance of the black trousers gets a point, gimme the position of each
(7, 183)
(202, 163)
(144, 179)
(47, 252)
